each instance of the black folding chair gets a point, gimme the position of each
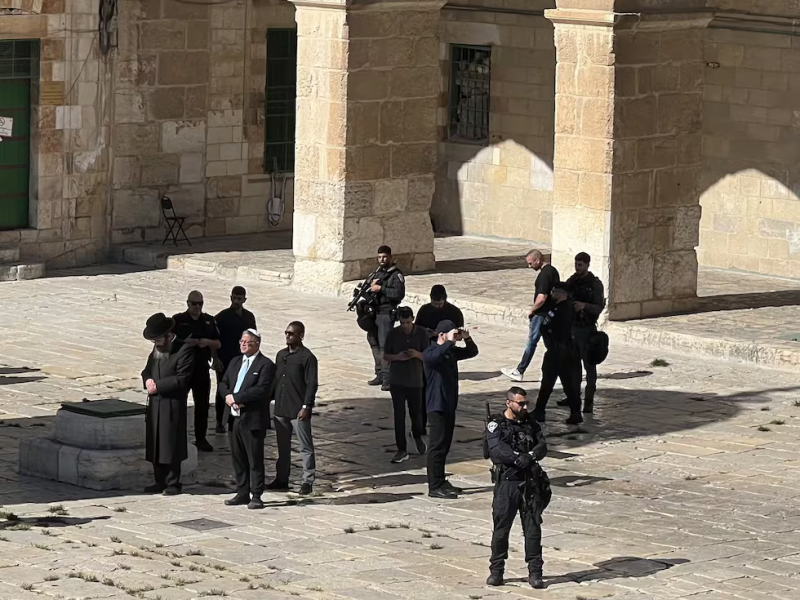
(174, 222)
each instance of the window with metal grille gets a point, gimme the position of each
(470, 74)
(280, 96)
(19, 59)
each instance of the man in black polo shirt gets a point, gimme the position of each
(296, 383)
(546, 279)
(403, 351)
(439, 309)
(231, 323)
(198, 329)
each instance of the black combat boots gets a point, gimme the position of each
(495, 578)
(535, 579)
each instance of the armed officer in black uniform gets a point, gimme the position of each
(589, 299)
(562, 359)
(515, 443)
(376, 302)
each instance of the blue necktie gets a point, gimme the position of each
(242, 373)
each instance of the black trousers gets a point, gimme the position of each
(201, 392)
(508, 501)
(582, 335)
(560, 362)
(247, 453)
(442, 425)
(219, 401)
(168, 475)
(400, 396)
(377, 340)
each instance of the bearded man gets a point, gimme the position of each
(167, 378)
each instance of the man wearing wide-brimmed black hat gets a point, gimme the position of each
(167, 378)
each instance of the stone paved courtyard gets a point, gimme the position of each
(683, 485)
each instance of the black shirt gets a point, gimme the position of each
(296, 381)
(547, 279)
(429, 316)
(407, 373)
(231, 326)
(203, 327)
(557, 324)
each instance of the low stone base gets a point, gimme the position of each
(96, 469)
(20, 272)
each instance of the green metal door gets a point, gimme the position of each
(19, 65)
(15, 152)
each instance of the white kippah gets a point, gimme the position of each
(254, 333)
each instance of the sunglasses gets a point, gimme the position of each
(288, 333)
(522, 404)
(196, 303)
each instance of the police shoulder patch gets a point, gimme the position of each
(492, 426)
(401, 277)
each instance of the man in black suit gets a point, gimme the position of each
(246, 388)
(167, 377)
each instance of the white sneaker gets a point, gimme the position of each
(512, 374)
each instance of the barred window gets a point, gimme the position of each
(280, 95)
(19, 59)
(470, 74)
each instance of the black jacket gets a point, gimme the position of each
(508, 439)
(588, 289)
(441, 372)
(165, 437)
(253, 397)
(557, 325)
(393, 288)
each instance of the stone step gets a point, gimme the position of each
(15, 271)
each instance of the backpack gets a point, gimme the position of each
(597, 347)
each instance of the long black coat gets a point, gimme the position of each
(166, 410)
(254, 395)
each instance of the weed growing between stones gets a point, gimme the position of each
(58, 509)
(659, 362)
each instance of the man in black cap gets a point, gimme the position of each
(246, 387)
(231, 322)
(441, 397)
(562, 358)
(198, 329)
(166, 377)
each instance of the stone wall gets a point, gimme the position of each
(70, 104)
(751, 203)
(187, 123)
(503, 189)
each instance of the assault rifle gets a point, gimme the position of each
(363, 291)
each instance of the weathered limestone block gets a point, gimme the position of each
(366, 149)
(627, 162)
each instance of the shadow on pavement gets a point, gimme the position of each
(352, 435)
(619, 566)
(478, 375)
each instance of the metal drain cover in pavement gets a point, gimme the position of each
(202, 524)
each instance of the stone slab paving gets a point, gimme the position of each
(683, 485)
(741, 316)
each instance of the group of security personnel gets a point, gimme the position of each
(513, 440)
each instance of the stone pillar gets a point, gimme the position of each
(366, 138)
(629, 105)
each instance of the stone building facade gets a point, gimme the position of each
(655, 135)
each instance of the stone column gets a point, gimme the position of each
(366, 138)
(629, 104)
